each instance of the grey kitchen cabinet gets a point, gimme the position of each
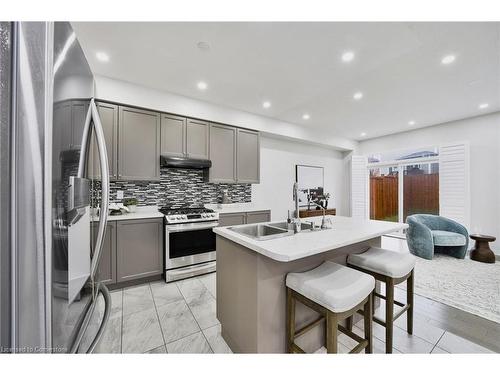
(248, 157)
(239, 218)
(108, 113)
(184, 137)
(106, 272)
(138, 144)
(62, 124)
(79, 109)
(197, 135)
(258, 217)
(222, 151)
(69, 119)
(139, 248)
(173, 135)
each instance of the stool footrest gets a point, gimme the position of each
(308, 327)
(400, 304)
(296, 349)
(362, 342)
(358, 348)
(399, 313)
(351, 334)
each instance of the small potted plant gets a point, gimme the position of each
(130, 203)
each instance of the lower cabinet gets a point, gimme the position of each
(238, 218)
(232, 219)
(258, 217)
(139, 250)
(132, 249)
(106, 272)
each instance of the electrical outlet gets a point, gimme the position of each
(119, 194)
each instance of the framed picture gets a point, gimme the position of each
(311, 182)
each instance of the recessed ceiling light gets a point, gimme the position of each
(204, 46)
(448, 59)
(266, 104)
(358, 95)
(202, 85)
(483, 105)
(102, 56)
(306, 116)
(411, 123)
(363, 134)
(348, 56)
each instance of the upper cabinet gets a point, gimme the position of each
(138, 144)
(235, 155)
(69, 120)
(108, 113)
(222, 154)
(173, 134)
(184, 137)
(135, 139)
(197, 132)
(247, 157)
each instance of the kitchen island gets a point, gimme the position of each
(251, 279)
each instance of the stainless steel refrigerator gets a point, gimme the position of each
(54, 180)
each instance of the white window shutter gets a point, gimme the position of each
(454, 184)
(359, 187)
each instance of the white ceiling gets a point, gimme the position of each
(297, 67)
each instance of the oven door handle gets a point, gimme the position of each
(189, 227)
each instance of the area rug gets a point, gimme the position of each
(462, 283)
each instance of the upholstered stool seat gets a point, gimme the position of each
(391, 268)
(385, 262)
(336, 292)
(335, 287)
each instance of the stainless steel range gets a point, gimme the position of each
(189, 242)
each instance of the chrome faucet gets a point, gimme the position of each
(296, 219)
(325, 224)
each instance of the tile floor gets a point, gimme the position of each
(164, 318)
(180, 318)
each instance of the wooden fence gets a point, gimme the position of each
(421, 195)
(384, 198)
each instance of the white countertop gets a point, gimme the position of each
(345, 231)
(230, 208)
(142, 212)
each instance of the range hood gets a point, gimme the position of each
(187, 163)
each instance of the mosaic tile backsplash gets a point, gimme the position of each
(178, 188)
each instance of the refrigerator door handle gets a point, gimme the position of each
(93, 115)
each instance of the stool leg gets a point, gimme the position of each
(349, 323)
(389, 313)
(331, 332)
(368, 316)
(290, 320)
(409, 302)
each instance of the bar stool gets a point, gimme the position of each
(392, 268)
(335, 292)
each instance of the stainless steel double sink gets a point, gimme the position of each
(262, 232)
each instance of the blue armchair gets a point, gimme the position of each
(431, 233)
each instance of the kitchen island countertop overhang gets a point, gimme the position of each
(345, 231)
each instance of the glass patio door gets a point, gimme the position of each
(384, 193)
(420, 189)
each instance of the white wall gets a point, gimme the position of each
(483, 135)
(132, 94)
(277, 174)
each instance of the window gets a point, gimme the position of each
(403, 183)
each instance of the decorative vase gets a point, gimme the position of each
(132, 208)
